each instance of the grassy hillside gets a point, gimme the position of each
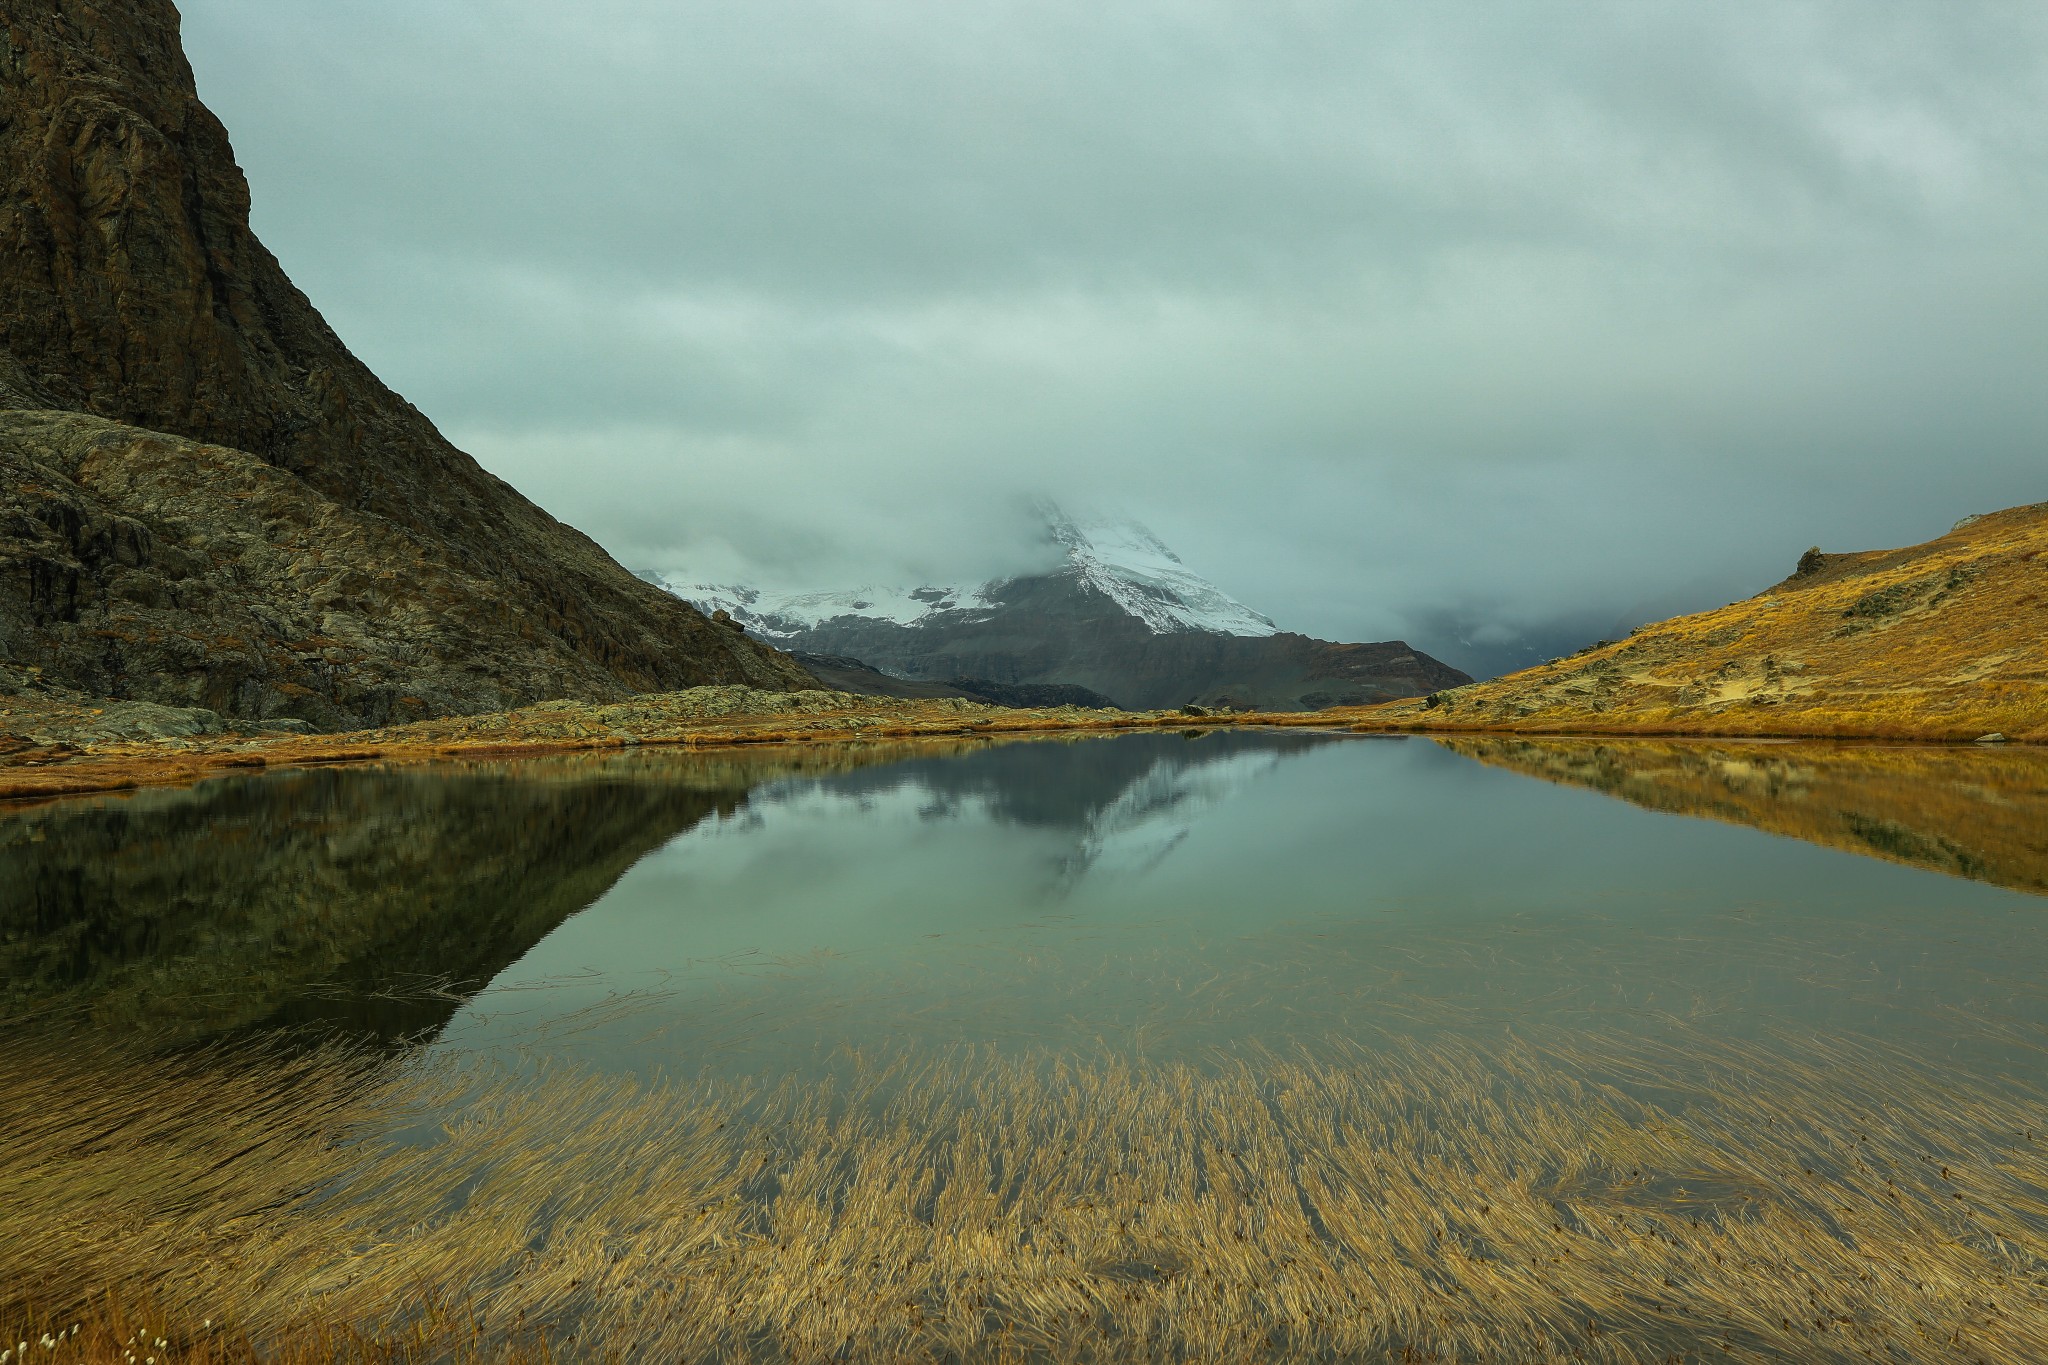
(1945, 640)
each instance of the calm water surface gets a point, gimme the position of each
(1227, 1045)
(1160, 894)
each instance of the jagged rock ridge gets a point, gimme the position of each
(1119, 614)
(207, 499)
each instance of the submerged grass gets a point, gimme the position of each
(1452, 1199)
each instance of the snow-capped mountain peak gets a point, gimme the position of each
(782, 616)
(1114, 556)
(1120, 558)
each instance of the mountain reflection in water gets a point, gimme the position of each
(1980, 812)
(1119, 807)
(378, 900)
(373, 900)
(1354, 1044)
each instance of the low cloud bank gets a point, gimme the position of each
(1463, 325)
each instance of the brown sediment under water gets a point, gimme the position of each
(1228, 1047)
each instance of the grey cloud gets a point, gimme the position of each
(1394, 319)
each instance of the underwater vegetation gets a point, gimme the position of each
(1509, 1198)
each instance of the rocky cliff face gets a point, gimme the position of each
(207, 497)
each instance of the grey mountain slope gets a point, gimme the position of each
(1050, 635)
(838, 673)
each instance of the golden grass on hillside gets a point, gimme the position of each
(1946, 640)
(1583, 1199)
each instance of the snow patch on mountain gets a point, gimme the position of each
(784, 616)
(1124, 561)
(1116, 556)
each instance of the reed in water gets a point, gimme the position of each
(1496, 1199)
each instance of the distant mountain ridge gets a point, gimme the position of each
(1120, 614)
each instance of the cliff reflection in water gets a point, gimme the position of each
(1978, 812)
(371, 899)
(379, 900)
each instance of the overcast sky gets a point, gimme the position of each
(1394, 319)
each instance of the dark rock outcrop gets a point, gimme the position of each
(842, 674)
(207, 499)
(1050, 629)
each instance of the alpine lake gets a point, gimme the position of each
(1221, 1044)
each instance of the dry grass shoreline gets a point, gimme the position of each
(1401, 718)
(52, 765)
(62, 768)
